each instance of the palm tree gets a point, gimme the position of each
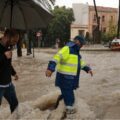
(98, 20)
(96, 32)
(118, 30)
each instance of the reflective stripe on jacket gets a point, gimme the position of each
(67, 63)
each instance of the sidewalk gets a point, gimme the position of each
(97, 47)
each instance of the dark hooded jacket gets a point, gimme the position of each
(68, 81)
(6, 69)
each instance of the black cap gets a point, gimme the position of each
(81, 39)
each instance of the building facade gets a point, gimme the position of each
(86, 22)
(80, 25)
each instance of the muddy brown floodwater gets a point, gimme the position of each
(100, 94)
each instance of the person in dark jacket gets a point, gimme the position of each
(69, 63)
(7, 89)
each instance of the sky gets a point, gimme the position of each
(106, 3)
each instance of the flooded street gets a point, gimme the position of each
(100, 93)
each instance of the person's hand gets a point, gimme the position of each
(48, 73)
(90, 72)
(16, 77)
(8, 54)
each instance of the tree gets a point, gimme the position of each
(107, 37)
(118, 29)
(112, 28)
(96, 32)
(59, 28)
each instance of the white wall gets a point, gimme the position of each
(80, 13)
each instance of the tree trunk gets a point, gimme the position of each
(96, 32)
(118, 30)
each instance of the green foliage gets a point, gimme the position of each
(106, 37)
(60, 25)
(112, 28)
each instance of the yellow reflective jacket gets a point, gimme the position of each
(67, 63)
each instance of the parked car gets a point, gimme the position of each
(115, 44)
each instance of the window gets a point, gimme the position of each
(103, 18)
(104, 30)
(81, 32)
(94, 18)
(111, 18)
(99, 18)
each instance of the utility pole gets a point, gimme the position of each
(118, 28)
(98, 21)
(96, 32)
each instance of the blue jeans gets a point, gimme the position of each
(10, 95)
(68, 96)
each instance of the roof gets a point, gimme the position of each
(104, 9)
